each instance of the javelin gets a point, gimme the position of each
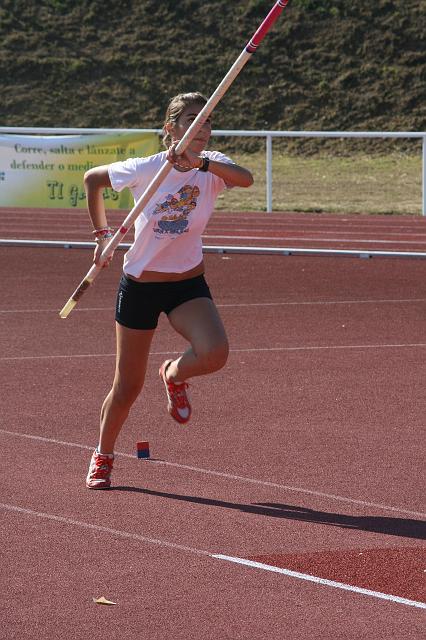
(247, 52)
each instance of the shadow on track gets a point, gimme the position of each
(403, 527)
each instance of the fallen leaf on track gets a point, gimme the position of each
(103, 600)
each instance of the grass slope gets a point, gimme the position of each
(327, 64)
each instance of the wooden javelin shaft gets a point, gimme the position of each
(218, 94)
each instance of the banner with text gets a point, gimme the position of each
(47, 171)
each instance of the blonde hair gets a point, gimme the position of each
(175, 109)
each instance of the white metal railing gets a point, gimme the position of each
(268, 135)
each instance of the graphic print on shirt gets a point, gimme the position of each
(174, 211)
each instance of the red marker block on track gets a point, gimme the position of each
(142, 449)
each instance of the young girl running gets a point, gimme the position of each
(163, 271)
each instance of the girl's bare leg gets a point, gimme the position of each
(198, 321)
(132, 356)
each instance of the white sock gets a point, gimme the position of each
(110, 455)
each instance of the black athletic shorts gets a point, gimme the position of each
(139, 304)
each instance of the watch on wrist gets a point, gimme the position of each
(205, 165)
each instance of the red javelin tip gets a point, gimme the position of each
(272, 16)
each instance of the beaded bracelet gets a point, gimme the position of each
(97, 232)
(104, 233)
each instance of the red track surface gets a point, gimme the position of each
(303, 454)
(398, 233)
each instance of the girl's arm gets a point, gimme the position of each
(95, 181)
(232, 174)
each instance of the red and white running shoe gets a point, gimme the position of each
(99, 476)
(177, 400)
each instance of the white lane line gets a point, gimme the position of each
(97, 527)
(344, 219)
(64, 443)
(286, 232)
(290, 303)
(64, 357)
(202, 552)
(414, 345)
(322, 581)
(319, 302)
(323, 223)
(228, 476)
(286, 238)
(328, 347)
(77, 355)
(238, 224)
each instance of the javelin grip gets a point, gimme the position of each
(84, 284)
(180, 148)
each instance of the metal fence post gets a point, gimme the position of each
(424, 178)
(269, 173)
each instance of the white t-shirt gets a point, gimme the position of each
(168, 231)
